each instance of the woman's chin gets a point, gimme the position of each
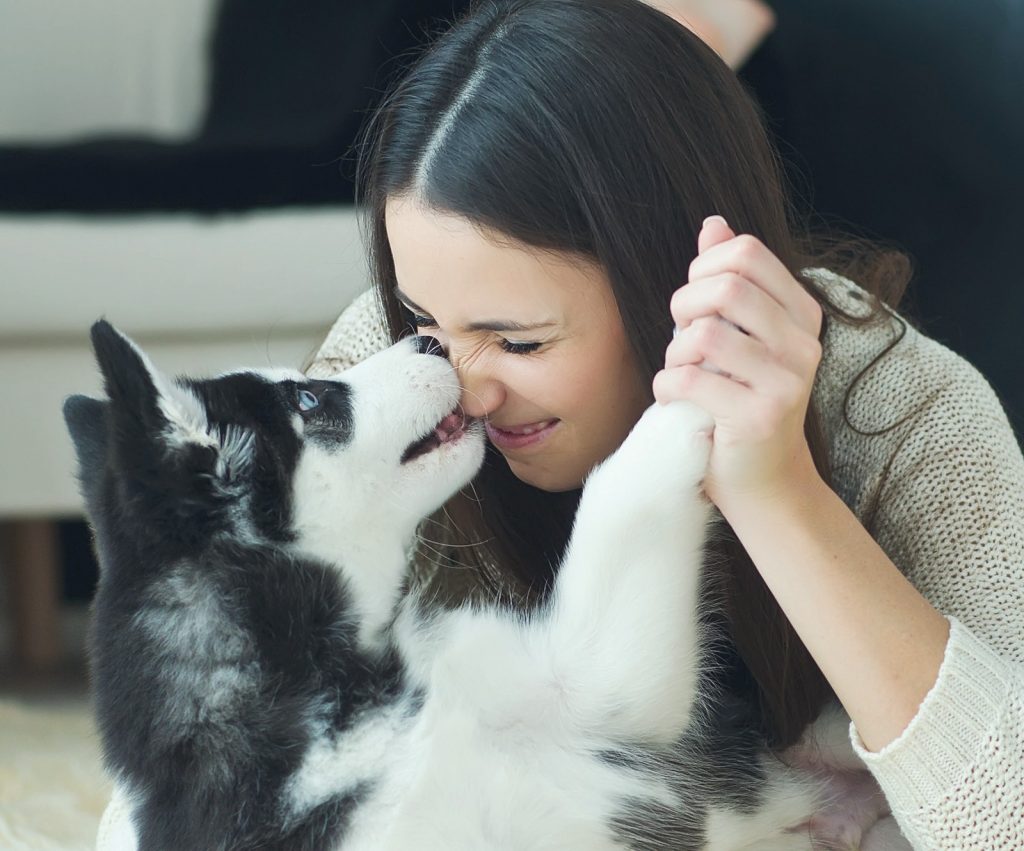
(543, 477)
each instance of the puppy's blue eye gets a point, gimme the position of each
(307, 401)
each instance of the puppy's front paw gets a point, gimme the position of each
(666, 452)
(677, 436)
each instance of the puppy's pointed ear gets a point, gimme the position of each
(141, 392)
(128, 377)
(86, 420)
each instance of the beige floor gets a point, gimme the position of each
(52, 787)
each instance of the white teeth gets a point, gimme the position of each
(533, 428)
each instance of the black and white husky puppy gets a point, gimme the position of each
(263, 680)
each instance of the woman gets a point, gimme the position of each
(551, 190)
(549, 163)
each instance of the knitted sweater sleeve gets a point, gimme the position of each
(358, 333)
(951, 516)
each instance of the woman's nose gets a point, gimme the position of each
(482, 394)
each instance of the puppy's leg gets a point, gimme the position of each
(852, 801)
(624, 635)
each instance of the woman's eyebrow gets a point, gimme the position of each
(489, 325)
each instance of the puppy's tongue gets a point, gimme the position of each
(449, 427)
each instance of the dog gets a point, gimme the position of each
(265, 678)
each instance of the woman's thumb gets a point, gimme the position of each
(715, 230)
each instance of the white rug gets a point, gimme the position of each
(52, 787)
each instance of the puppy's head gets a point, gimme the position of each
(269, 455)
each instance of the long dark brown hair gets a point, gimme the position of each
(605, 129)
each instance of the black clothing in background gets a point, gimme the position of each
(905, 121)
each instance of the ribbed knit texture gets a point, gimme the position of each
(950, 514)
(951, 517)
(358, 333)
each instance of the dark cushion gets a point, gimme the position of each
(904, 121)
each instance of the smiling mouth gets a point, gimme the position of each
(450, 429)
(523, 431)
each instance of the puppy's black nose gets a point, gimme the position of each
(429, 346)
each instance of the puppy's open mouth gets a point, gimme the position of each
(451, 428)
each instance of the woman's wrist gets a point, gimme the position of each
(878, 642)
(792, 494)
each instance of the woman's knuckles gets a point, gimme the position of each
(741, 253)
(675, 382)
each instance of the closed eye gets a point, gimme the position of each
(519, 348)
(419, 320)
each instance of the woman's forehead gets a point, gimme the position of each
(447, 263)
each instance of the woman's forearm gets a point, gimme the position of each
(732, 28)
(876, 639)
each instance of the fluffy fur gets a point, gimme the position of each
(264, 681)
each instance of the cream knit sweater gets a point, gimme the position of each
(951, 516)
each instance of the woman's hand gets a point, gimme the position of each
(753, 372)
(732, 28)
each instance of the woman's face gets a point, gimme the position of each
(536, 338)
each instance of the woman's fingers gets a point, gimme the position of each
(749, 308)
(715, 230)
(719, 346)
(758, 327)
(747, 257)
(719, 395)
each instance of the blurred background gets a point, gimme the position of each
(183, 167)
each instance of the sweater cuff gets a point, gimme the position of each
(929, 758)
